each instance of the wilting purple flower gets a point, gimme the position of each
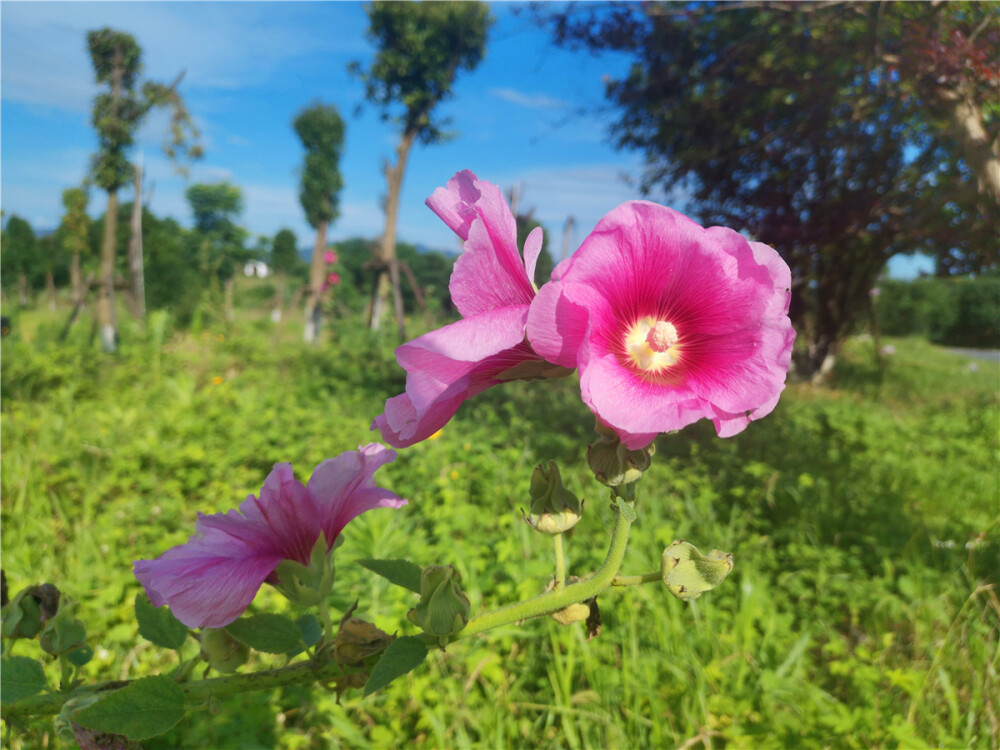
(668, 322)
(211, 579)
(492, 287)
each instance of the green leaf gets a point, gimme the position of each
(400, 572)
(270, 633)
(403, 655)
(142, 709)
(311, 629)
(20, 677)
(158, 624)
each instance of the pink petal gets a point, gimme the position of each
(344, 487)
(532, 248)
(455, 203)
(210, 580)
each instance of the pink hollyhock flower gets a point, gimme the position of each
(333, 279)
(492, 287)
(211, 579)
(330, 257)
(668, 322)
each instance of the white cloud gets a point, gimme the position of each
(531, 101)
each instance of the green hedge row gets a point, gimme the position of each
(952, 311)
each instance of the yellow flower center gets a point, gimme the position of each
(652, 344)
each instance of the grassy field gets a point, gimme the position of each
(862, 611)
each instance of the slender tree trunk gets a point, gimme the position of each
(135, 250)
(389, 273)
(980, 153)
(50, 287)
(22, 289)
(317, 274)
(227, 295)
(75, 282)
(107, 318)
(279, 297)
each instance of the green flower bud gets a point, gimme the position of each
(25, 615)
(444, 608)
(613, 464)
(222, 651)
(357, 640)
(578, 612)
(554, 509)
(307, 585)
(688, 574)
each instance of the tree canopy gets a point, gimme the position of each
(793, 122)
(285, 253)
(321, 130)
(420, 47)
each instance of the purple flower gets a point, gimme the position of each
(492, 288)
(210, 580)
(668, 322)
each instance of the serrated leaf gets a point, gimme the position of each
(20, 677)
(400, 572)
(158, 624)
(145, 708)
(401, 656)
(270, 633)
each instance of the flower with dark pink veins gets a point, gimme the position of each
(211, 579)
(668, 322)
(492, 288)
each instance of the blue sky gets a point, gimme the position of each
(250, 67)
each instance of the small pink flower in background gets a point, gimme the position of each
(889, 349)
(668, 322)
(330, 257)
(333, 279)
(492, 288)
(211, 579)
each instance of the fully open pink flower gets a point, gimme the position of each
(492, 287)
(211, 579)
(668, 322)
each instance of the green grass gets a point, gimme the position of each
(862, 611)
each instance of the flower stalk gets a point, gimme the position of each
(560, 562)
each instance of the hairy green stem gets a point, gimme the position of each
(561, 597)
(560, 562)
(49, 704)
(636, 580)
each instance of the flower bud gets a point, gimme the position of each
(64, 632)
(578, 612)
(612, 463)
(357, 640)
(554, 509)
(222, 651)
(688, 574)
(25, 615)
(307, 585)
(444, 608)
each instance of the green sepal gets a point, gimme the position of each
(307, 585)
(444, 608)
(688, 574)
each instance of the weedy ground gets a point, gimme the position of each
(862, 612)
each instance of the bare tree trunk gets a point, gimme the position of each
(50, 287)
(135, 250)
(981, 154)
(22, 289)
(279, 297)
(317, 275)
(227, 292)
(106, 315)
(389, 272)
(76, 293)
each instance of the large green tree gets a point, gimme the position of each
(321, 130)
(19, 255)
(799, 124)
(219, 238)
(118, 113)
(419, 49)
